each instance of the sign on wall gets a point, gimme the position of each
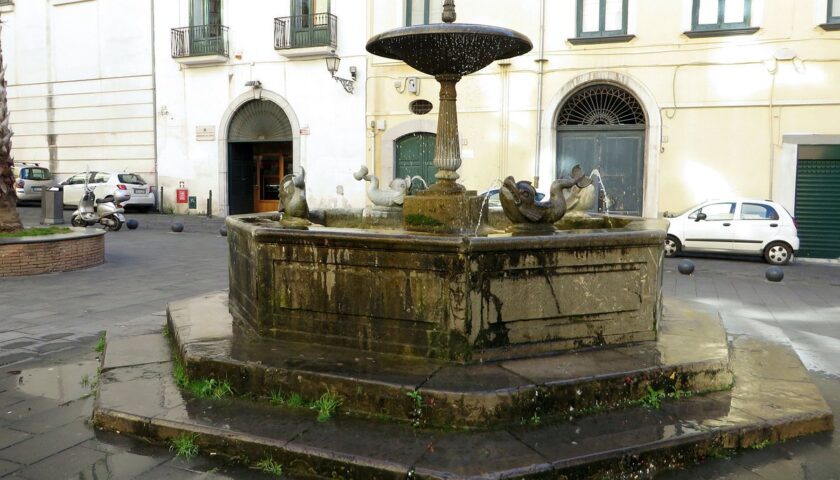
(205, 133)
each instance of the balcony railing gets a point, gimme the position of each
(302, 31)
(199, 41)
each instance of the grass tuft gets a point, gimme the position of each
(184, 445)
(295, 400)
(100, 344)
(276, 397)
(653, 399)
(35, 232)
(326, 405)
(269, 466)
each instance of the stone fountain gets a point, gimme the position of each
(454, 355)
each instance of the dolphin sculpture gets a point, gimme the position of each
(519, 203)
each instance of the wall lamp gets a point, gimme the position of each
(253, 84)
(333, 61)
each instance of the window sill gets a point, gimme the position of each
(830, 27)
(724, 32)
(7, 7)
(596, 40)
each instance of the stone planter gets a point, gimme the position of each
(23, 256)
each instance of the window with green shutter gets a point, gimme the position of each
(721, 17)
(423, 12)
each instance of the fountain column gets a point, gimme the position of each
(447, 147)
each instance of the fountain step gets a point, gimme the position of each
(772, 400)
(691, 355)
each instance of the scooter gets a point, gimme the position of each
(108, 211)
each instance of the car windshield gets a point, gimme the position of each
(131, 178)
(35, 174)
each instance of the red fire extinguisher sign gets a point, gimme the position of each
(181, 195)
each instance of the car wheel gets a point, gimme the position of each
(778, 253)
(672, 246)
(77, 221)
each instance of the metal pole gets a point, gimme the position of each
(160, 202)
(210, 204)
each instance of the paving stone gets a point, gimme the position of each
(126, 465)
(25, 408)
(56, 336)
(53, 347)
(10, 437)
(131, 351)
(148, 390)
(47, 444)
(8, 467)
(15, 357)
(18, 344)
(56, 417)
(76, 461)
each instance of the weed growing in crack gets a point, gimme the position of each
(653, 399)
(211, 388)
(295, 400)
(326, 405)
(184, 445)
(269, 466)
(100, 344)
(276, 397)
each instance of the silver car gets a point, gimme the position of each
(32, 179)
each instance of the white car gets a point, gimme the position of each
(32, 179)
(106, 183)
(743, 226)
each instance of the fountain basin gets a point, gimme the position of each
(449, 48)
(452, 297)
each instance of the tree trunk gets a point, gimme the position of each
(9, 218)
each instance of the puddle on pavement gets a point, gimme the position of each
(60, 382)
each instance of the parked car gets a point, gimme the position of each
(106, 183)
(32, 179)
(744, 226)
(493, 201)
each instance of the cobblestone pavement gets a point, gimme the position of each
(50, 323)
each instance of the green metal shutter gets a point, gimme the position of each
(818, 201)
(415, 153)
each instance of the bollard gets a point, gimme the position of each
(686, 267)
(210, 204)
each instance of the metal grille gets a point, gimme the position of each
(420, 107)
(601, 105)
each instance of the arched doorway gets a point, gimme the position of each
(602, 128)
(260, 153)
(414, 153)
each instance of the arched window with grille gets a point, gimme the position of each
(602, 128)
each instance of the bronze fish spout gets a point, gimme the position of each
(293, 202)
(519, 202)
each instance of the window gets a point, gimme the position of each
(834, 12)
(99, 177)
(720, 15)
(311, 9)
(601, 18)
(423, 12)
(131, 178)
(76, 179)
(205, 12)
(35, 174)
(716, 211)
(757, 211)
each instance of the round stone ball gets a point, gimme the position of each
(132, 224)
(223, 231)
(177, 227)
(686, 267)
(774, 274)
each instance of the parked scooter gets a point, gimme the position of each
(108, 211)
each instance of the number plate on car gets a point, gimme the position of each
(139, 190)
(37, 189)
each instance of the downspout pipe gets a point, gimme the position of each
(540, 72)
(155, 105)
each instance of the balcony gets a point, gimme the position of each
(306, 35)
(200, 44)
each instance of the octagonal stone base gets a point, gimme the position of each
(453, 297)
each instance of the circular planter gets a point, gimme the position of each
(23, 256)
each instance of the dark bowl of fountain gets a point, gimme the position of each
(449, 48)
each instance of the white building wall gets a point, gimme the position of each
(200, 95)
(80, 84)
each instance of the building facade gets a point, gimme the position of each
(81, 89)
(245, 98)
(672, 101)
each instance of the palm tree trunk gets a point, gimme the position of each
(9, 218)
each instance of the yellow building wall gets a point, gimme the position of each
(724, 102)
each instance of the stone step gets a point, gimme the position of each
(772, 400)
(691, 355)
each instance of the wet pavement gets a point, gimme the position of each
(54, 320)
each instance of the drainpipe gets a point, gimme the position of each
(540, 71)
(155, 105)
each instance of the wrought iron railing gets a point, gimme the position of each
(199, 40)
(301, 31)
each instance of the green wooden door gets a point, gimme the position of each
(817, 207)
(618, 156)
(414, 155)
(310, 23)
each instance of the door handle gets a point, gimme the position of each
(727, 224)
(774, 224)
